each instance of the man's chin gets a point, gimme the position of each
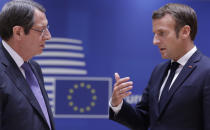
(39, 53)
(164, 57)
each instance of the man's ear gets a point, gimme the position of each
(18, 32)
(185, 32)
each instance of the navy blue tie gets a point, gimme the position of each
(34, 85)
(165, 91)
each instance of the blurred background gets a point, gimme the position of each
(93, 39)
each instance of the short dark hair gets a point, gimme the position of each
(17, 13)
(183, 15)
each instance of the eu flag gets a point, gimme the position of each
(82, 97)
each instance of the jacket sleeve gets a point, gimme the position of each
(135, 118)
(206, 103)
(1, 106)
(3, 100)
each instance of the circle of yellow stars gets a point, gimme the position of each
(88, 107)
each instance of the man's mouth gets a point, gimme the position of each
(162, 49)
(42, 45)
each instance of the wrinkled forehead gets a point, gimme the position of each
(163, 22)
(40, 18)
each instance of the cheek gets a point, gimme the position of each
(35, 43)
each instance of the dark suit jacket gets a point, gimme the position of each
(187, 106)
(19, 109)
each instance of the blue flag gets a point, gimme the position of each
(82, 97)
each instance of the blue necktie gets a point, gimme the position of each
(33, 83)
(165, 91)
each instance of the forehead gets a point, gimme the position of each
(40, 18)
(166, 22)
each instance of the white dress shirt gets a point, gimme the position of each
(182, 61)
(15, 56)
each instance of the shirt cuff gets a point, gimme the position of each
(117, 108)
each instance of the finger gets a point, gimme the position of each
(123, 95)
(125, 90)
(117, 88)
(124, 85)
(122, 80)
(117, 76)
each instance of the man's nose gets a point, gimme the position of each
(156, 40)
(47, 35)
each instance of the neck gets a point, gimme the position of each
(188, 46)
(16, 46)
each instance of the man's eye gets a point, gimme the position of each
(161, 33)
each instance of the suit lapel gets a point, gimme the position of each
(183, 75)
(163, 70)
(20, 82)
(14, 73)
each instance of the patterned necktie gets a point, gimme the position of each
(165, 91)
(33, 83)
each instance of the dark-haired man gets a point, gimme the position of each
(177, 96)
(24, 103)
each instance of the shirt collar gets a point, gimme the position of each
(15, 56)
(183, 60)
